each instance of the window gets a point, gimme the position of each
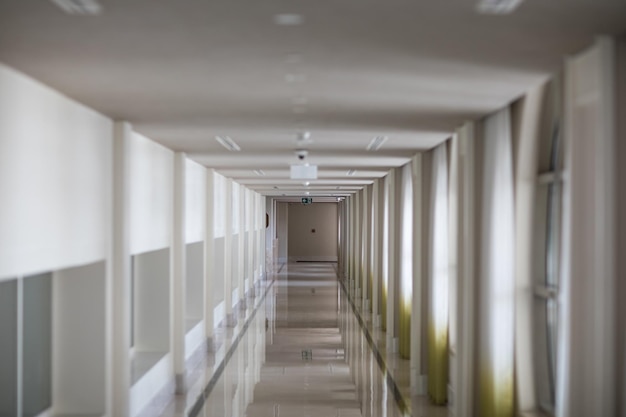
(548, 239)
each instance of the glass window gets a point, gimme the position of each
(548, 234)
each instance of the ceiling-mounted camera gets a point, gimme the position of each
(301, 154)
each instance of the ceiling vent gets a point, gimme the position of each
(79, 7)
(498, 6)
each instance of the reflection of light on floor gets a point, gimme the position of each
(341, 371)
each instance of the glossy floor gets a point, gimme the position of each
(299, 350)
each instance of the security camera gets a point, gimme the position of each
(301, 154)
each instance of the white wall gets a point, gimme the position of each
(55, 179)
(151, 197)
(56, 212)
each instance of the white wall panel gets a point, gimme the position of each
(195, 201)
(55, 178)
(151, 176)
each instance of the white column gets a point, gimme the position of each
(251, 216)
(209, 259)
(375, 253)
(260, 228)
(120, 285)
(463, 375)
(392, 337)
(262, 236)
(348, 237)
(348, 240)
(418, 385)
(241, 259)
(357, 244)
(228, 254)
(353, 240)
(364, 249)
(586, 364)
(178, 274)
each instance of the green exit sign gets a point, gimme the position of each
(307, 200)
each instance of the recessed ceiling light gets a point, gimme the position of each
(498, 6)
(338, 188)
(80, 7)
(351, 172)
(376, 143)
(228, 143)
(306, 183)
(259, 172)
(288, 19)
(307, 193)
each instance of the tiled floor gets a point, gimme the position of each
(298, 351)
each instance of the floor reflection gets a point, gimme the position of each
(303, 354)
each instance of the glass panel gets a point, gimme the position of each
(8, 348)
(551, 277)
(37, 347)
(551, 337)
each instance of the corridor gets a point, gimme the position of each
(298, 350)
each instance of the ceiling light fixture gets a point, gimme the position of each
(259, 172)
(303, 172)
(306, 183)
(351, 172)
(376, 143)
(79, 7)
(288, 19)
(498, 6)
(228, 143)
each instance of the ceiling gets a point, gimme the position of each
(185, 71)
